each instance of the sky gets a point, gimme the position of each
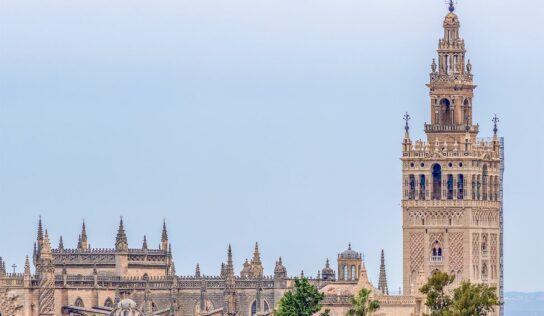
(250, 120)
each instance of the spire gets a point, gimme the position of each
(172, 269)
(230, 287)
(144, 244)
(382, 283)
(256, 254)
(27, 274)
(197, 271)
(40, 229)
(61, 244)
(46, 247)
(229, 258)
(121, 243)
(84, 242)
(164, 236)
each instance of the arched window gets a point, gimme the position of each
(353, 273)
(125, 313)
(484, 271)
(460, 187)
(484, 244)
(412, 191)
(108, 303)
(450, 187)
(422, 187)
(437, 182)
(254, 308)
(345, 271)
(478, 187)
(436, 252)
(465, 112)
(446, 115)
(79, 302)
(154, 307)
(473, 187)
(485, 182)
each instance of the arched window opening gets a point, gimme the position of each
(125, 313)
(79, 302)
(478, 187)
(345, 272)
(446, 113)
(154, 307)
(353, 273)
(437, 182)
(465, 112)
(254, 308)
(484, 245)
(447, 64)
(485, 182)
(108, 303)
(422, 187)
(484, 272)
(460, 187)
(450, 187)
(436, 252)
(473, 187)
(412, 191)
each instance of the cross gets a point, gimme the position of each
(495, 120)
(407, 118)
(14, 266)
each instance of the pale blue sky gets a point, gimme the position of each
(243, 120)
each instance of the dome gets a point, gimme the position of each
(451, 19)
(350, 254)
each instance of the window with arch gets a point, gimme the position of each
(450, 187)
(254, 309)
(412, 190)
(437, 182)
(446, 112)
(353, 273)
(422, 187)
(436, 255)
(484, 244)
(108, 303)
(484, 271)
(460, 187)
(125, 313)
(79, 302)
(485, 183)
(345, 272)
(154, 307)
(478, 187)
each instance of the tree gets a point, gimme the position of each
(474, 299)
(362, 305)
(438, 301)
(304, 300)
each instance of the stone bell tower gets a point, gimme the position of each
(452, 182)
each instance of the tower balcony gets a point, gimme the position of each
(436, 260)
(437, 128)
(451, 203)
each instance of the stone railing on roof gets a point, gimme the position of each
(422, 149)
(395, 300)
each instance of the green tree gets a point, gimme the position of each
(362, 305)
(474, 299)
(304, 300)
(438, 301)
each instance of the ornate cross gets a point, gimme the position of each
(14, 266)
(495, 120)
(407, 118)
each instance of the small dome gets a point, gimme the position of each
(350, 254)
(127, 303)
(451, 19)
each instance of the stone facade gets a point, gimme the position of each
(452, 217)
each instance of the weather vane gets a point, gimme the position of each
(495, 120)
(407, 118)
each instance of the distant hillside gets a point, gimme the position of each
(524, 304)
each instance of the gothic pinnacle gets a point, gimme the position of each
(61, 244)
(121, 243)
(27, 267)
(144, 244)
(40, 229)
(164, 236)
(382, 283)
(197, 271)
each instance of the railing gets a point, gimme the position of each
(451, 203)
(436, 259)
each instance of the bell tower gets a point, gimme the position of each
(452, 182)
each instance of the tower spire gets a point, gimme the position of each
(382, 283)
(164, 236)
(84, 242)
(121, 243)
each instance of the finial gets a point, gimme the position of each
(61, 243)
(495, 121)
(452, 6)
(349, 246)
(40, 229)
(407, 118)
(144, 244)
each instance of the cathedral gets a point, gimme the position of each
(452, 222)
